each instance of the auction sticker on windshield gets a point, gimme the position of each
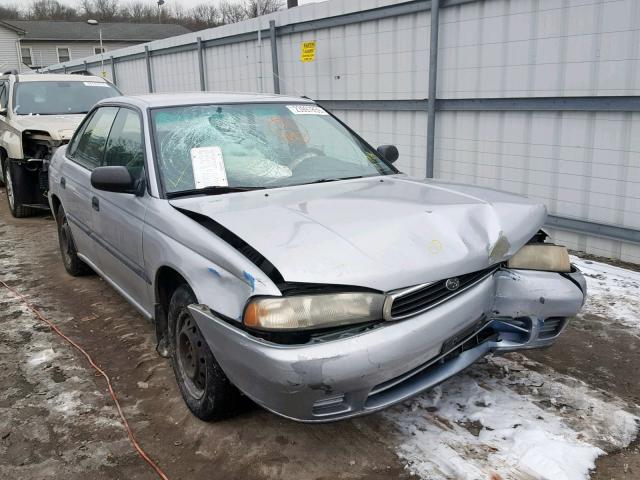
(306, 110)
(208, 167)
(96, 84)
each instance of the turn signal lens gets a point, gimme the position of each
(251, 315)
(313, 311)
(545, 257)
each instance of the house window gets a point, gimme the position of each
(99, 50)
(63, 54)
(27, 56)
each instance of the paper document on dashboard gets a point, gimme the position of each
(208, 167)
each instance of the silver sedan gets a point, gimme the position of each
(282, 257)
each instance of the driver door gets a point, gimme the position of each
(119, 217)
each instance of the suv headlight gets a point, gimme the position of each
(306, 312)
(541, 256)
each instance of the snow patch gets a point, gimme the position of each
(43, 356)
(612, 292)
(503, 418)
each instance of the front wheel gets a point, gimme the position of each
(14, 190)
(205, 388)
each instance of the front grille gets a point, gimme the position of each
(418, 300)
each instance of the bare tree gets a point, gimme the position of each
(10, 12)
(103, 10)
(265, 7)
(138, 12)
(232, 12)
(50, 10)
(205, 15)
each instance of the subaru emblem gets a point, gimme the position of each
(452, 284)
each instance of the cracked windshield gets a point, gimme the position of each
(257, 146)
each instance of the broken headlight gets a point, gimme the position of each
(541, 256)
(306, 312)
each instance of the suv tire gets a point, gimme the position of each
(14, 189)
(72, 263)
(204, 387)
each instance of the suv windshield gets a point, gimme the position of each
(60, 97)
(256, 146)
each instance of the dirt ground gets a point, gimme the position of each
(57, 419)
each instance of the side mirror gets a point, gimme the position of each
(113, 179)
(3, 112)
(389, 152)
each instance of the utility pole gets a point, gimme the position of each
(433, 77)
(95, 22)
(160, 3)
(258, 14)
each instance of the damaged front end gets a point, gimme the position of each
(30, 173)
(376, 290)
(338, 376)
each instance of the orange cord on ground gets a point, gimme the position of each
(53, 327)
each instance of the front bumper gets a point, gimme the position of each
(337, 379)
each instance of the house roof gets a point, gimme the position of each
(12, 27)
(78, 31)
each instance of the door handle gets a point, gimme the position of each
(95, 204)
(63, 182)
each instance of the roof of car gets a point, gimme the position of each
(204, 98)
(57, 77)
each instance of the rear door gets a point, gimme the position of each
(119, 218)
(84, 153)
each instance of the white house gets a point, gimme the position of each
(26, 44)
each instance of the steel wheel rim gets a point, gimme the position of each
(65, 244)
(190, 355)
(9, 186)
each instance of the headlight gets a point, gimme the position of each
(313, 311)
(542, 256)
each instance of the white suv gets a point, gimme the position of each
(38, 113)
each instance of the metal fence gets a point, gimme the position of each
(537, 97)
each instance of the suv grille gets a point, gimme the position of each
(414, 300)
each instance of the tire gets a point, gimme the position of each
(204, 387)
(2, 162)
(13, 189)
(72, 263)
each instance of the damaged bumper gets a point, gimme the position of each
(324, 381)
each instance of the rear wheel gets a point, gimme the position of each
(14, 190)
(205, 388)
(72, 263)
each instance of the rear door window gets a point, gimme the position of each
(89, 145)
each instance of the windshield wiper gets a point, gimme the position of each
(217, 190)
(325, 180)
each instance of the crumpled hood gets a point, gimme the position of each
(383, 232)
(59, 127)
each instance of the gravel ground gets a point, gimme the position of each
(556, 413)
